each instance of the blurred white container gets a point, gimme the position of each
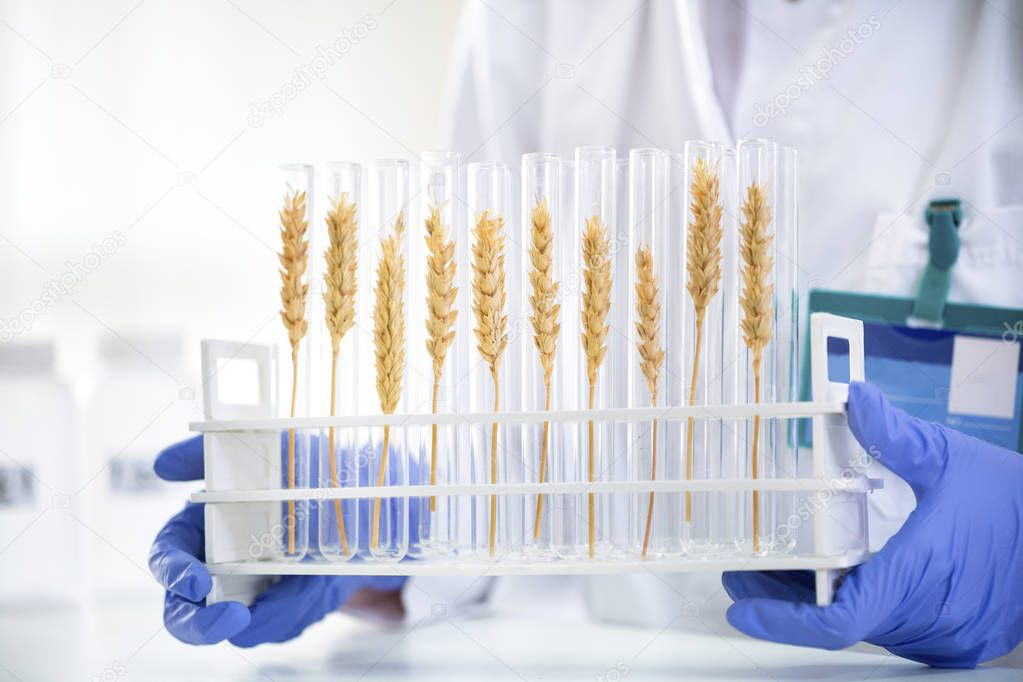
(141, 402)
(40, 547)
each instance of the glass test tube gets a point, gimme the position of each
(388, 290)
(541, 235)
(617, 465)
(595, 219)
(704, 170)
(567, 526)
(492, 461)
(654, 519)
(338, 355)
(787, 527)
(296, 207)
(765, 356)
(439, 249)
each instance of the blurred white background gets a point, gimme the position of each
(137, 215)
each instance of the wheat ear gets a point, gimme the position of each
(441, 313)
(339, 307)
(544, 318)
(596, 304)
(755, 300)
(703, 263)
(389, 342)
(651, 353)
(488, 303)
(293, 258)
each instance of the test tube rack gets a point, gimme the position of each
(242, 440)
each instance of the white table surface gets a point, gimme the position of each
(125, 640)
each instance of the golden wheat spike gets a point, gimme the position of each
(596, 303)
(342, 263)
(293, 258)
(703, 264)
(441, 313)
(389, 341)
(489, 297)
(651, 353)
(339, 309)
(755, 301)
(544, 318)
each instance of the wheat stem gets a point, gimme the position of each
(756, 441)
(543, 460)
(291, 454)
(381, 479)
(433, 446)
(690, 423)
(650, 500)
(333, 458)
(493, 464)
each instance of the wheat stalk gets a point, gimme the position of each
(651, 353)
(596, 304)
(293, 258)
(440, 319)
(544, 318)
(488, 303)
(755, 300)
(389, 341)
(339, 307)
(703, 263)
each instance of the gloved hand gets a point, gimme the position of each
(947, 589)
(280, 613)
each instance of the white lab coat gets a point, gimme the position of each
(928, 104)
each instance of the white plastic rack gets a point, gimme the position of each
(244, 497)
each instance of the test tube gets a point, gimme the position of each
(296, 180)
(439, 248)
(491, 459)
(567, 511)
(704, 171)
(654, 519)
(542, 235)
(338, 352)
(787, 527)
(767, 263)
(595, 219)
(388, 289)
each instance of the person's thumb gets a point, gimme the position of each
(915, 450)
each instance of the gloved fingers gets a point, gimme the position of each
(795, 586)
(864, 600)
(915, 450)
(287, 607)
(181, 461)
(195, 624)
(175, 558)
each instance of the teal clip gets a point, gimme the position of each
(943, 216)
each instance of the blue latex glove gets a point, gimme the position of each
(280, 613)
(947, 589)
